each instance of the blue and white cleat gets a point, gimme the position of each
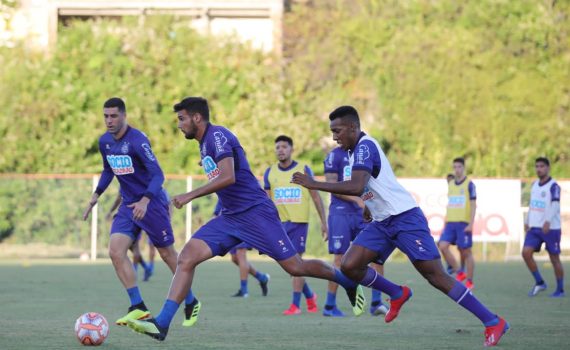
(378, 310)
(335, 312)
(537, 288)
(558, 294)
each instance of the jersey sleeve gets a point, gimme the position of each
(309, 171)
(367, 158)
(266, 184)
(146, 156)
(472, 191)
(331, 164)
(555, 192)
(106, 175)
(222, 144)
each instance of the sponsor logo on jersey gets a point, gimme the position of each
(329, 160)
(125, 148)
(148, 152)
(456, 202)
(287, 195)
(362, 154)
(346, 173)
(537, 205)
(121, 165)
(367, 194)
(210, 168)
(220, 140)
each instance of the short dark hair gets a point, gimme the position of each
(194, 105)
(542, 160)
(115, 102)
(348, 112)
(460, 160)
(285, 139)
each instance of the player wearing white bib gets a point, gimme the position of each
(542, 225)
(397, 223)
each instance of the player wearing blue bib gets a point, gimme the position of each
(248, 216)
(127, 154)
(345, 221)
(397, 223)
(542, 225)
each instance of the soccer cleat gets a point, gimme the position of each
(133, 314)
(148, 327)
(240, 294)
(461, 276)
(558, 294)
(292, 310)
(396, 304)
(191, 313)
(263, 285)
(537, 288)
(469, 284)
(312, 306)
(147, 274)
(494, 333)
(357, 299)
(378, 310)
(334, 312)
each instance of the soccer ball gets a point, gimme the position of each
(91, 329)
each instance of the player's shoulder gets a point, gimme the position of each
(554, 184)
(137, 134)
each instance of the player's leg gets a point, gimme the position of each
(151, 255)
(376, 306)
(241, 262)
(261, 277)
(532, 243)
(448, 238)
(465, 244)
(135, 249)
(331, 309)
(552, 240)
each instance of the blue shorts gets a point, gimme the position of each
(454, 233)
(343, 229)
(297, 232)
(535, 237)
(408, 231)
(233, 251)
(148, 241)
(156, 224)
(259, 227)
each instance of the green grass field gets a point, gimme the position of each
(39, 304)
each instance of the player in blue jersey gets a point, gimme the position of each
(239, 257)
(127, 154)
(248, 216)
(397, 223)
(345, 221)
(542, 225)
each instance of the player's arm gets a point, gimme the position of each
(333, 177)
(318, 201)
(353, 187)
(114, 207)
(226, 178)
(104, 181)
(473, 206)
(266, 183)
(553, 208)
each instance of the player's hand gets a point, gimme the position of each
(366, 215)
(324, 231)
(526, 228)
(303, 179)
(181, 200)
(469, 228)
(109, 216)
(546, 227)
(92, 203)
(139, 208)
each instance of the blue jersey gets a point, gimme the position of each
(132, 161)
(337, 162)
(219, 143)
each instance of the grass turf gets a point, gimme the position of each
(40, 302)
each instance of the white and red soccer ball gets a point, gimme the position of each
(91, 329)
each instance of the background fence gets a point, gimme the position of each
(40, 215)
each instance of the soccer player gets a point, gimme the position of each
(239, 257)
(397, 223)
(248, 216)
(127, 154)
(292, 202)
(542, 225)
(345, 221)
(461, 206)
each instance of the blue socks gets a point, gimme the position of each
(331, 299)
(374, 280)
(134, 295)
(189, 298)
(307, 292)
(296, 299)
(376, 297)
(167, 313)
(537, 277)
(261, 277)
(344, 281)
(243, 286)
(462, 296)
(560, 284)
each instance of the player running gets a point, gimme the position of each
(345, 221)
(248, 216)
(127, 154)
(292, 202)
(461, 207)
(542, 225)
(397, 223)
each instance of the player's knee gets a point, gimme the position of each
(526, 254)
(116, 254)
(186, 261)
(350, 269)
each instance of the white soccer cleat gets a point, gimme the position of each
(537, 288)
